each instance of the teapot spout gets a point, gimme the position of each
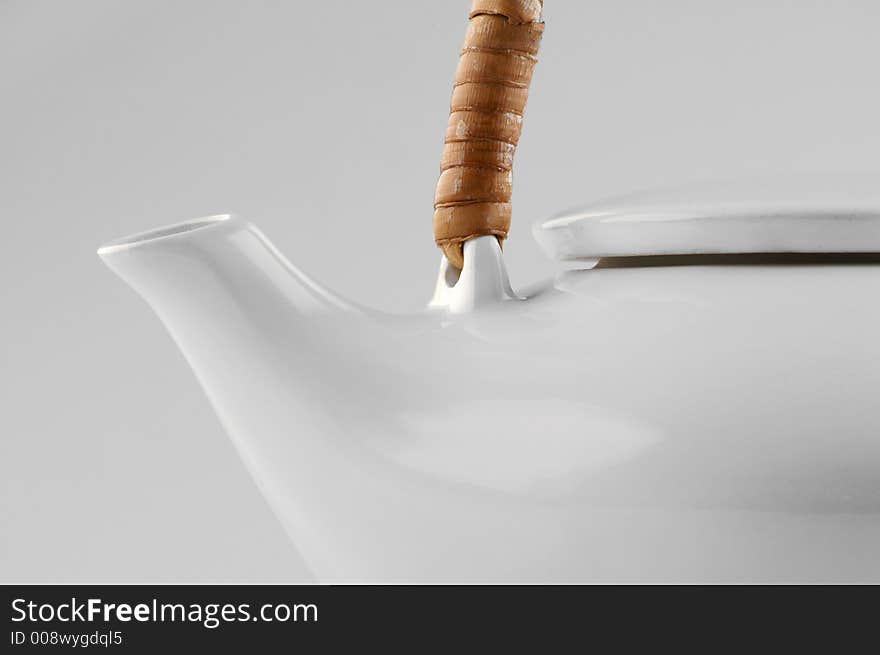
(197, 271)
(260, 335)
(239, 311)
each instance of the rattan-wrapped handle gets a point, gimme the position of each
(485, 121)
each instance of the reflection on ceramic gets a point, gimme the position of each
(664, 423)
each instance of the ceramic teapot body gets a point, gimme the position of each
(640, 423)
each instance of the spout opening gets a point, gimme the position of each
(161, 233)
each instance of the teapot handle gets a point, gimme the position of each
(485, 120)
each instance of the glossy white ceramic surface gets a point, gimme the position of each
(681, 423)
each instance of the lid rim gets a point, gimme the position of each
(592, 235)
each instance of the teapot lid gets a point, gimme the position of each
(807, 215)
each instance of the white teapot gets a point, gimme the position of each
(694, 399)
(697, 401)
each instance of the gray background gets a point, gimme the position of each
(323, 123)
